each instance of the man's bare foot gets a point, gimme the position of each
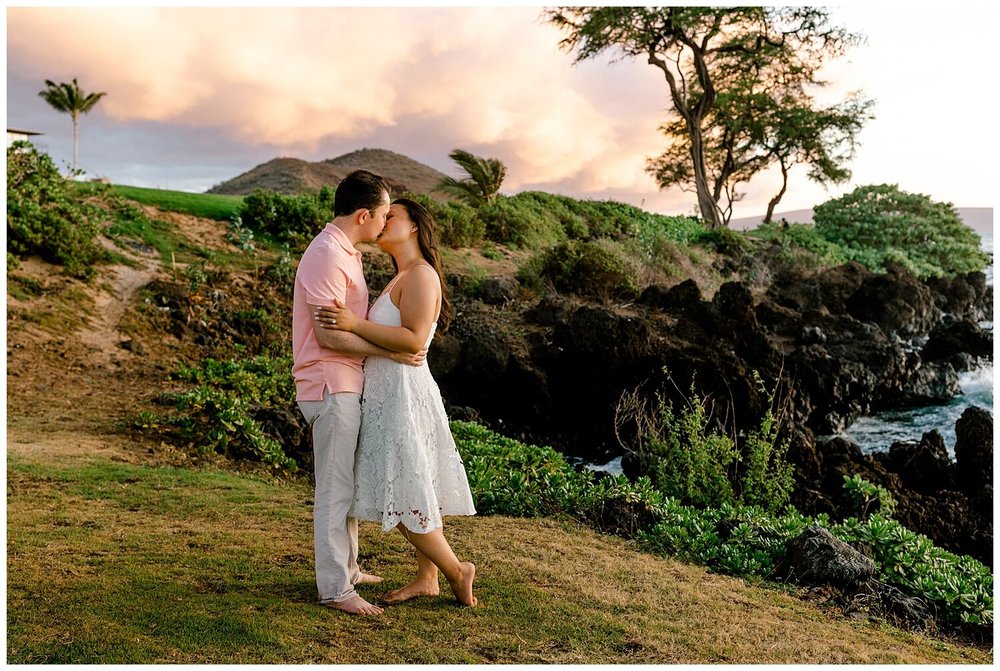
(355, 606)
(416, 588)
(368, 579)
(463, 587)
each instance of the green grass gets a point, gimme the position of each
(114, 562)
(207, 205)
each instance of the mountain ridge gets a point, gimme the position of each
(293, 176)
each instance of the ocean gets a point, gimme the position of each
(879, 431)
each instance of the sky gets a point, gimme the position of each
(196, 96)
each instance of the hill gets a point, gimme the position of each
(293, 175)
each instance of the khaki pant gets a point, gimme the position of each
(335, 422)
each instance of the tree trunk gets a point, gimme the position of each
(706, 204)
(74, 142)
(777, 199)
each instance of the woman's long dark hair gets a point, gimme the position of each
(427, 239)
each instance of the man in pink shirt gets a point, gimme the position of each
(329, 379)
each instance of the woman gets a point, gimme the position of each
(407, 470)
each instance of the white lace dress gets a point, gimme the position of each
(407, 468)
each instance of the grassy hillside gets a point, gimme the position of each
(118, 562)
(208, 206)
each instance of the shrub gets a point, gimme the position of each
(700, 465)
(457, 223)
(685, 459)
(801, 236)
(879, 224)
(519, 221)
(724, 240)
(220, 413)
(292, 219)
(597, 269)
(48, 218)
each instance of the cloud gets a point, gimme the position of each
(489, 80)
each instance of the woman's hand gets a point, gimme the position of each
(336, 318)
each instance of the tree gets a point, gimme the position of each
(485, 175)
(737, 78)
(880, 224)
(70, 99)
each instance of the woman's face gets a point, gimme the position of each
(398, 227)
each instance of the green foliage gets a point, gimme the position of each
(725, 241)
(700, 465)
(596, 269)
(686, 459)
(457, 223)
(482, 184)
(767, 478)
(875, 225)
(291, 219)
(960, 587)
(239, 235)
(801, 236)
(867, 498)
(516, 221)
(219, 412)
(46, 217)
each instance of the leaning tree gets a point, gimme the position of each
(70, 99)
(741, 81)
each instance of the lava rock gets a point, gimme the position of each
(974, 450)
(923, 466)
(816, 556)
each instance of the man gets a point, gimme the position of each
(329, 379)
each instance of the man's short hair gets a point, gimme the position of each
(360, 190)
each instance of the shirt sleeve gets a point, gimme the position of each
(325, 279)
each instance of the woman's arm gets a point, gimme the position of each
(417, 311)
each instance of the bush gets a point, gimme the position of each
(457, 223)
(801, 236)
(876, 225)
(598, 269)
(291, 219)
(698, 465)
(519, 221)
(48, 218)
(724, 240)
(220, 413)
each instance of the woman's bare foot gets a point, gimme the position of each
(463, 586)
(354, 606)
(368, 579)
(416, 588)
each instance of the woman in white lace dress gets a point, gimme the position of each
(407, 470)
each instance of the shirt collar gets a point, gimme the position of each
(342, 238)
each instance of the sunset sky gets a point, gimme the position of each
(199, 95)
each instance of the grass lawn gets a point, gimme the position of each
(207, 205)
(117, 562)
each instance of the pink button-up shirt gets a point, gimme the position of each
(330, 269)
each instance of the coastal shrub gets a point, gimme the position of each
(595, 269)
(219, 413)
(796, 236)
(868, 499)
(457, 223)
(685, 459)
(508, 477)
(879, 224)
(698, 464)
(48, 218)
(519, 222)
(724, 241)
(961, 588)
(766, 478)
(291, 219)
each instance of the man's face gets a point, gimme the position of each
(375, 221)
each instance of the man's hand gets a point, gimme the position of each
(414, 360)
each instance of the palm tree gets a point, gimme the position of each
(483, 182)
(69, 98)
